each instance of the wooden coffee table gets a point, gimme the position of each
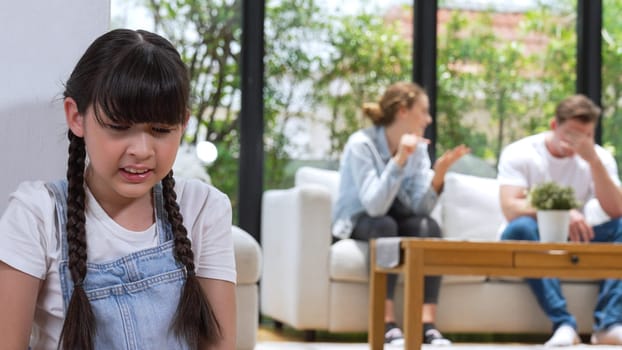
(423, 257)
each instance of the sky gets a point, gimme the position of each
(127, 14)
(351, 6)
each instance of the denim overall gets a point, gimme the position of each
(134, 298)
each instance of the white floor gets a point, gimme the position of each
(364, 346)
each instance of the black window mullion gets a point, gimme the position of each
(250, 171)
(589, 59)
(424, 59)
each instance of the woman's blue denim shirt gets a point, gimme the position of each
(370, 180)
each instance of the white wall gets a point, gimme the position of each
(40, 42)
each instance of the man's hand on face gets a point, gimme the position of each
(582, 144)
(573, 136)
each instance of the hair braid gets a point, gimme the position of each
(198, 325)
(79, 326)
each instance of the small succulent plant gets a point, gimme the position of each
(552, 196)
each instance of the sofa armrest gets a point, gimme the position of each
(248, 257)
(296, 238)
(248, 262)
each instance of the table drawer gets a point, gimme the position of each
(567, 259)
(461, 258)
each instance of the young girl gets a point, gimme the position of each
(119, 255)
(387, 188)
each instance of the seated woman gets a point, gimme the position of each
(387, 188)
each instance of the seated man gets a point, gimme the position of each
(567, 155)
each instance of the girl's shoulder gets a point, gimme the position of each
(196, 194)
(32, 195)
(206, 211)
(28, 229)
(33, 202)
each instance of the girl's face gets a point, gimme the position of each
(418, 116)
(126, 161)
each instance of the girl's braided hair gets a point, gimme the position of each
(131, 77)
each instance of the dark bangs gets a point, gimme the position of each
(145, 84)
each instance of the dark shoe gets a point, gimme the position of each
(393, 334)
(434, 337)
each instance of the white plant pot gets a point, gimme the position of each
(553, 225)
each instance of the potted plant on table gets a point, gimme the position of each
(553, 203)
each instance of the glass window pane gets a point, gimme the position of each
(611, 78)
(324, 59)
(501, 70)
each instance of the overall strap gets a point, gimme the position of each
(59, 190)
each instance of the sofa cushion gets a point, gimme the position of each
(328, 178)
(349, 261)
(470, 207)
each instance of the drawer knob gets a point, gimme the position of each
(574, 259)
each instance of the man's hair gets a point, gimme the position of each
(578, 107)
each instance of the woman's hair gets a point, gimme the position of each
(131, 77)
(398, 95)
(578, 107)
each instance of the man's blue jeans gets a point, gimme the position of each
(548, 291)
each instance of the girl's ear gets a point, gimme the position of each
(401, 111)
(553, 124)
(75, 121)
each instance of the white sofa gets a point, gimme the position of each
(309, 283)
(248, 260)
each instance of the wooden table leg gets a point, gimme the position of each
(377, 296)
(413, 298)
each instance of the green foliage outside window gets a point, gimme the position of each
(611, 76)
(322, 67)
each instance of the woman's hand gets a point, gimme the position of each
(444, 162)
(407, 146)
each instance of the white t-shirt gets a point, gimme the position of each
(527, 162)
(29, 243)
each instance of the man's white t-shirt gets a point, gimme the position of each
(527, 162)
(29, 242)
